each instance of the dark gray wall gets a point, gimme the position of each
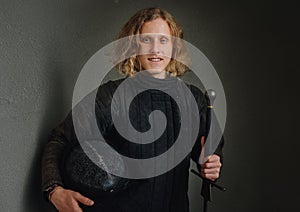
(44, 45)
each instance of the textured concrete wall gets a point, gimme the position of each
(44, 44)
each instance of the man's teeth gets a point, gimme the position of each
(155, 59)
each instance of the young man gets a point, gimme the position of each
(71, 184)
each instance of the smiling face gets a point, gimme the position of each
(155, 47)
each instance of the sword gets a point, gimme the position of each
(207, 184)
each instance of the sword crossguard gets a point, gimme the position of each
(211, 182)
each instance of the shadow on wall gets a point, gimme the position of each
(33, 198)
(64, 52)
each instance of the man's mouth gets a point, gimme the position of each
(155, 59)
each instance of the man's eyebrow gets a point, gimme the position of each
(155, 34)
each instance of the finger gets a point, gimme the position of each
(84, 200)
(213, 158)
(210, 176)
(77, 208)
(211, 165)
(73, 206)
(210, 171)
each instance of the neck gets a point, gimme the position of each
(157, 73)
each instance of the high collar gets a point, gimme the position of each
(145, 80)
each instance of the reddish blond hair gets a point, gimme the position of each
(131, 65)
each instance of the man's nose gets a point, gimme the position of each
(155, 48)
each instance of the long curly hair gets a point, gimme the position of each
(131, 65)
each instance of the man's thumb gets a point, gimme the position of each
(202, 142)
(201, 158)
(84, 200)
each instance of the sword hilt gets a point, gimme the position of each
(210, 95)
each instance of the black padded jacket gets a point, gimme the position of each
(164, 193)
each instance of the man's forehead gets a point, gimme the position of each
(155, 34)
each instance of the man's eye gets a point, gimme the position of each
(164, 40)
(146, 40)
